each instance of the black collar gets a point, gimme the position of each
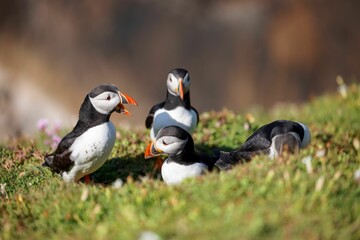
(89, 116)
(172, 101)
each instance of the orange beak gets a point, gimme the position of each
(151, 151)
(148, 151)
(181, 89)
(125, 99)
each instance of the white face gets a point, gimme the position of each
(105, 102)
(170, 145)
(173, 84)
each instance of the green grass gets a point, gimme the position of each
(279, 199)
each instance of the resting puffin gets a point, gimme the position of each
(88, 145)
(183, 161)
(271, 139)
(176, 109)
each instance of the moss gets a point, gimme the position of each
(261, 199)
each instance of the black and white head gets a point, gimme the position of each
(171, 140)
(107, 98)
(290, 142)
(178, 82)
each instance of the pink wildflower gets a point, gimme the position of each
(51, 133)
(42, 124)
(57, 126)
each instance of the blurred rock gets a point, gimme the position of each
(22, 105)
(238, 53)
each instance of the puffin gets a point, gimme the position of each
(87, 147)
(272, 139)
(183, 160)
(176, 109)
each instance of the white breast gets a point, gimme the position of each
(90, 151)
(174, 173)
(180, 117)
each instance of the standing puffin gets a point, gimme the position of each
(176, 109)
(88, 145)
(271, 139)
(183, 161)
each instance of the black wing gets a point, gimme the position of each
(225, 160)
(197, 115)
(257, 142)
(150, 116)
(59, 161)
(204, 158)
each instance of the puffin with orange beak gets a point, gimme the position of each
(176, 109)
(87, 147)
(183, 160)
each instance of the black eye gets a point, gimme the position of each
(171, 80)
(108, 98)
(165, 144)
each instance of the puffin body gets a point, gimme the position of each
(183, 160)
(176, 109)
(179, 116)
(91, 150)
(174, 173)
(89, 144)
(272, 139)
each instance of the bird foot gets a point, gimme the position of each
(158, 164)
(87, 179)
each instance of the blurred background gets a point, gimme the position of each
(240, 54)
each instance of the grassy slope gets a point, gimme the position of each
(272, 199)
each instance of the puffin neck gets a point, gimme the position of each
(173, 101)
(90, 116)
(186, 157)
